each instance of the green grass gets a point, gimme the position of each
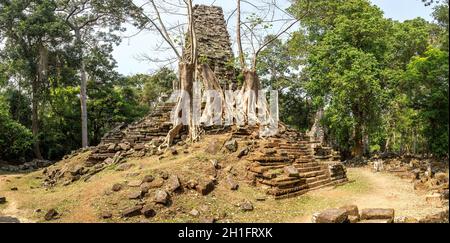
(357, 184)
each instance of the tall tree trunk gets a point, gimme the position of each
(40, 78)
(83, 100)
(35, 118)
(415, 141)
(358, 150)
(251, 81)
(183, 112)
(250, 93)
(83, 94)
(238, 36)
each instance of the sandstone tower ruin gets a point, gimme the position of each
(214, 45)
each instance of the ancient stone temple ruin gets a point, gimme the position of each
(288, 164)
(292, 164)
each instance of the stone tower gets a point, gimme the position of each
(214, 45)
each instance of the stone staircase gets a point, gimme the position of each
(135, 137)
(294, 165)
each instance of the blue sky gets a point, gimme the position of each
(126, 54)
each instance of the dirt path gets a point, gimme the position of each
(386, 191)
(11, 213)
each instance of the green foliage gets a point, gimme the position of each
(27, 27)
(427, 78)
(156, 85)
(15, 139)
(375, 76)
(275, 70)
(110, 106)
(203, 59)
(19, 106)
(61, 128)
(440, 14)
(375, 148)
(344, 65)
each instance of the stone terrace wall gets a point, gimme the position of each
(214, 45)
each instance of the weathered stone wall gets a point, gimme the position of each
(214, 46)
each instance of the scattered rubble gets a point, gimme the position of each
(246, 206)
(406, 220)
(426, 174)
(157, 183)
(194, 213)
(135, 195)
(117, 187)
(350, 214)
(148, 179)
(243, 152)
(231, 183)
(106, 215)
(161, 197)
(232, 145)
(132, 211)
(51, 214)
(442, 217)
(26, 167)
(173, 184)
(205, 187)
(148, 211)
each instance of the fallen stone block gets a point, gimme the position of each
(132, 212)
(148, 179)
(145, 188)
(161, 197)
(335, 215)
(135, 183)
(106, 215)
(205, 187)
(117, 187)
(352, 210)
(51, 214)
(194, 213)
(378, 213)
(135, 195)
(231, 183)
(243, 152)
(148, 211)
(246, 206)
(231, 145)
(157, 183)
(173, 183)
